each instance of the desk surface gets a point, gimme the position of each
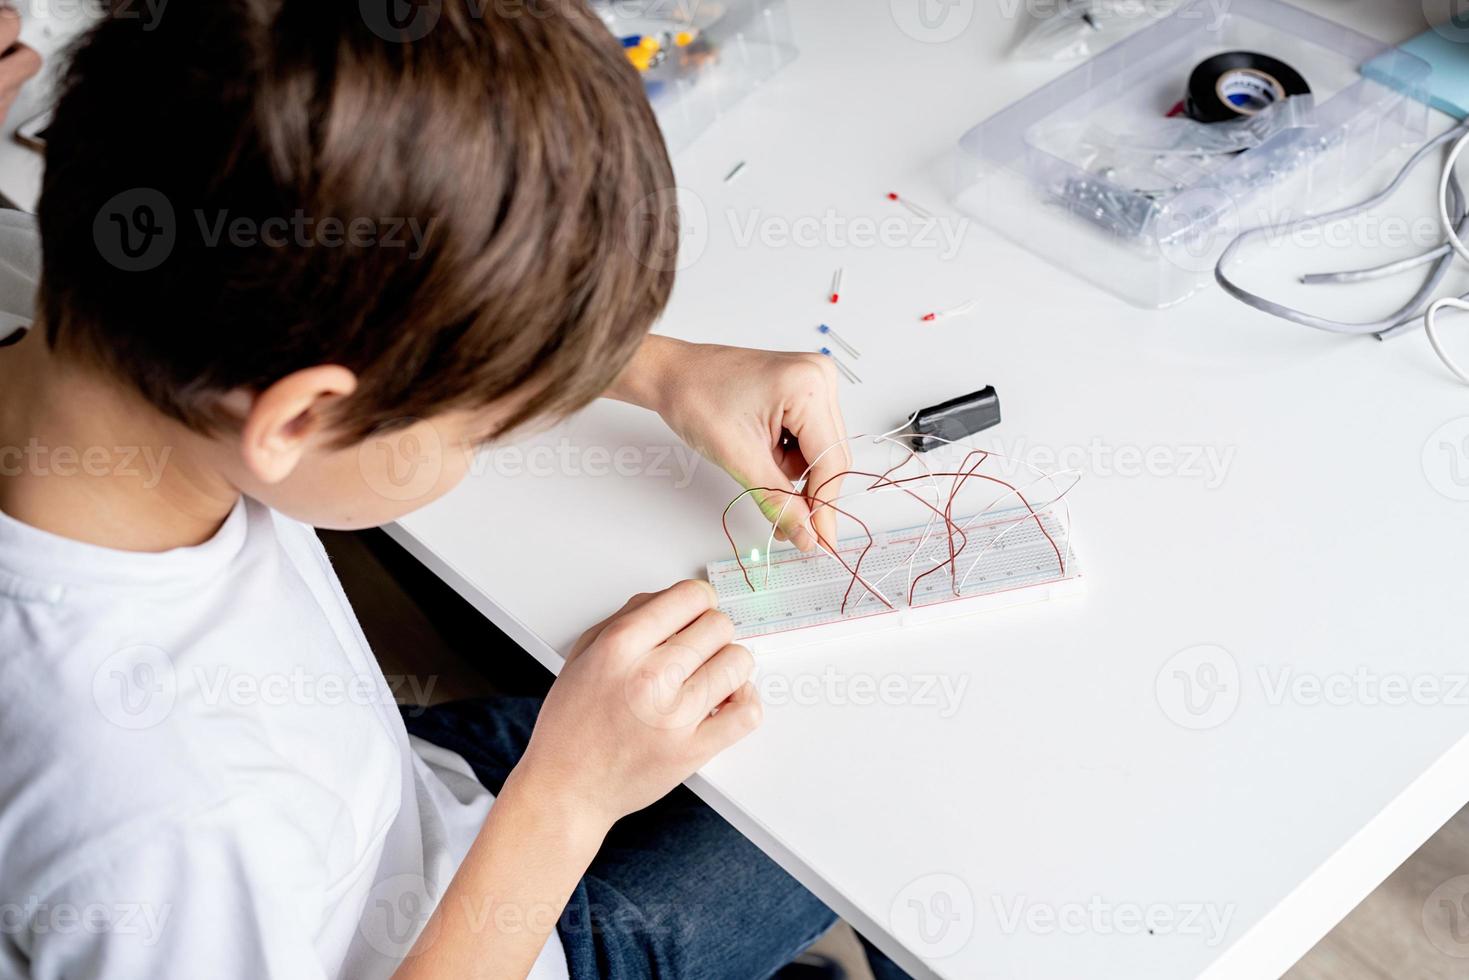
(1065, 794)
(1270, 516)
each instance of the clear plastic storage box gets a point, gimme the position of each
(699, 59)
(1090, 173)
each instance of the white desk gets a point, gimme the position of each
(1062, 786)
(1066, 784)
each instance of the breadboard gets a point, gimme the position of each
(798, 598)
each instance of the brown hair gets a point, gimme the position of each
(223, 185)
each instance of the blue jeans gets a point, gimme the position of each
(675, 891)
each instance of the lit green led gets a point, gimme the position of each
(754, 554)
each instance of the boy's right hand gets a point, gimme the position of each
(18, 62)
(647, 696)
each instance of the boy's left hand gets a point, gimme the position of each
(763, 416)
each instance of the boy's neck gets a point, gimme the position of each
(83, 457)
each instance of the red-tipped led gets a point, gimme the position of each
(913, 208)
(959, 310)
(836, 285)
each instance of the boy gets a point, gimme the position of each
(204, 773)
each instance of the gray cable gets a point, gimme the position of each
(1386, 326)
(1376, 272)
(1458, 206)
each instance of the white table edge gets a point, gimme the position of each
(1266, 950)
(1314, 907)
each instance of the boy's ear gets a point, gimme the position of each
(281, 420)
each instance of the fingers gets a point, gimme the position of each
(786, 510)
(722, 675)
(699, 667)
(737, 717)
(792, 463)
(20, 62)
(692, 646)
(672, 682)
(661, 615)
(9, 26)
(817, 425)
(590, 636)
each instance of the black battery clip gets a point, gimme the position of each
(956, 418)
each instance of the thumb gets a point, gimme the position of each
(783, 507)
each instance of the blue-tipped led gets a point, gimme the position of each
(846, 372)
(836, 339)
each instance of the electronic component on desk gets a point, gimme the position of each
(32, 132)
(836, 339)
(1239, 84)
(842, 369)
(1163, 194)
(1453, 218)
(1020, 556)
(950, 421)
(648, 51)
(1445, 87)
(1242, 97)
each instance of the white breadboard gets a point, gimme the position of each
(798, 597)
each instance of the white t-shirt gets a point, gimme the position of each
(202, 771)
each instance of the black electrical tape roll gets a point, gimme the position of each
(1238, 84)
